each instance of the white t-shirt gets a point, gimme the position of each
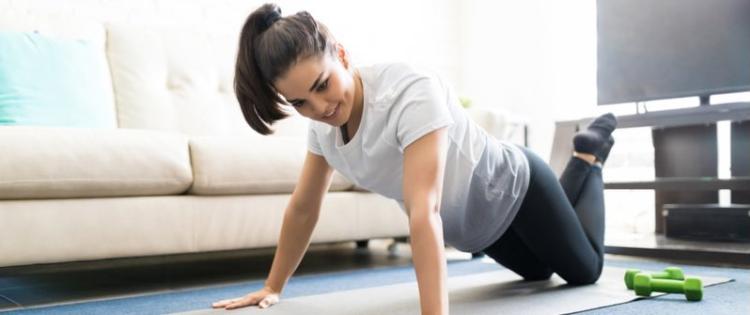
(485, 179)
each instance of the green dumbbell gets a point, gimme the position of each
(691, 287)
(673, 273)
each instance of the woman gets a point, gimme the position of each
(400, 132)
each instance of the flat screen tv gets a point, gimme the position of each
(661, 49)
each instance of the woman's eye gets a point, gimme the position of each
(323, 86)
(298, 103)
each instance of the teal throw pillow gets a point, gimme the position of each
(47, 81)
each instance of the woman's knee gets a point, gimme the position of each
(537, 276)
(584, 277)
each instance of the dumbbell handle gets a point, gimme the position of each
(630, 275)
(667, 286)
(660, 275)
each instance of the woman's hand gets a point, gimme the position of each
(263, 298)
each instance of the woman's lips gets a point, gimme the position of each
(333, 113)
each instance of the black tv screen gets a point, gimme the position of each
(660, 49)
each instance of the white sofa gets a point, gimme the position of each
(181, 173)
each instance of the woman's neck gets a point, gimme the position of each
(349, 129)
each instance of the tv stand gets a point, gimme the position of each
(685, 153)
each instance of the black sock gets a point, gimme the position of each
(597, 138)
(603, 153)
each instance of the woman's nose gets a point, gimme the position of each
(320, 106)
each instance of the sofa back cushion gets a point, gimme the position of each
(177, 77)
(47, 81)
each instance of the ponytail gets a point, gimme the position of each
(269, 45)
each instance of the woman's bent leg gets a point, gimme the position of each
(511, 252)
(568, 240)
(574, 177)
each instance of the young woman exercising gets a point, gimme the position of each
(400, 132)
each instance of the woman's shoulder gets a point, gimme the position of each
(397, 71)
(392, 79)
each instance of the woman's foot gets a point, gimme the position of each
(597, 138)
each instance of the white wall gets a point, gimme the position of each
(415, 31)
(536, 58)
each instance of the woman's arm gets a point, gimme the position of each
(424, 164)
(300, 218)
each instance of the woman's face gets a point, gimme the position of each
(320, 88)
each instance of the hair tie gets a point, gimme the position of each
(270, 18)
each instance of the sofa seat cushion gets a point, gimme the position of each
(250, 164)
(44, 162)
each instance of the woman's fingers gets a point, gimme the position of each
(263, 300)
(236, 302)
(223, 303)
(246, 301)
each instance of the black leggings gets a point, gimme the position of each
(559, 227)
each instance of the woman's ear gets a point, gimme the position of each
(343, 55)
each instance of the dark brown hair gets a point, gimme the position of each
(269, 45)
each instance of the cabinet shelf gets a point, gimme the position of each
(684, 183)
